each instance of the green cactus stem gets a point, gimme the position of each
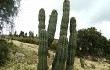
(41, 19)
(65, 18)
(43, 50)
(72, 45)
(61, 54)
(52, 26)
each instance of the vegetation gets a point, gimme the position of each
(72, 44)
(30, 60)
(43, 50)
(91, 42)
(41, 19)
(61, 54)
(84, 42)
(62, 47)
(16, 59)
(65, 18)
(52, 27)
(4, 52)
(8, 10)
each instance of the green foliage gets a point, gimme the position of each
(25, 35)
(31, 34)
(107, 48)
(91, 42)
(72, 44)
(43, 50)
(8, 10)
(54, 45)
(4, 52)
(82, 62)
(65, 18)
(21, 34)
(27, 40)
(61, 54)
(52, 27)
(41, 18)
(15, 33)
(107, 57)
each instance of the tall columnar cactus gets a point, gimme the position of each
(65, 53)
(61, 54)
(41, 19)
(43, 50)
(65, 18)
(52, 27)
(72, 44)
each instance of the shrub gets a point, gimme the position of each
(3, 51)
(28, 40)
(107, 57)
(54, 45)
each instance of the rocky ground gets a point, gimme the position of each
(25, 57)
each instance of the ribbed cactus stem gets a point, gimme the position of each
(65, 18)
(61, 54)
(41, 19)
(42, 51)
(52, 26)
(72, 45)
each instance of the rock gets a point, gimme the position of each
(19, 54)
(92, 66)
(107, 61)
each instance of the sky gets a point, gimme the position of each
(88, 13)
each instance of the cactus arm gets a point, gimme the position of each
(52, 26)
(72, 44)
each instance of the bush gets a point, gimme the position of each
(54, 45)
(107, 57)
(4, 51)
(27, 40)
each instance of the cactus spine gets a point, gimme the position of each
(65, 18)
(52, 27)
(61, 54)
(43, 50)
(41, 19)
(72, 44)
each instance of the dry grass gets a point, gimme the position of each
(29, 61)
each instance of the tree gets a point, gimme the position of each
(91, 42)
(21, 34)
(25, 34)
(8, 10)
(107, 48)
(15, 33)
(36, 35)
(31, 34)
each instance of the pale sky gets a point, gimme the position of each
(88, 13)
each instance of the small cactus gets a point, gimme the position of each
(43, 50)
(52, 27)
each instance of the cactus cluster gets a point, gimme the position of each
(65, 53)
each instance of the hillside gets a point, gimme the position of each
(24, 57)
